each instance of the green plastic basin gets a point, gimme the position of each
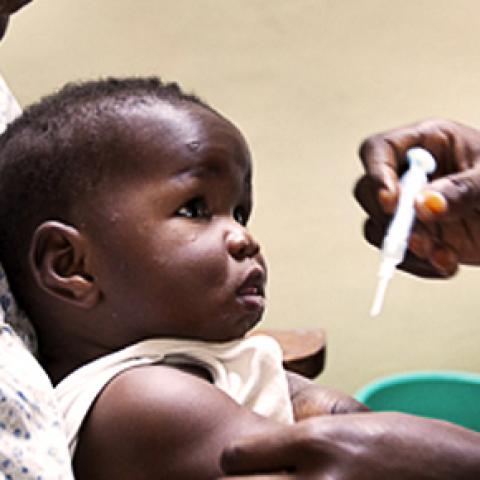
(446, 395)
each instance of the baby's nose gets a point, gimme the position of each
(241, 244)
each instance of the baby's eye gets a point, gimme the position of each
(241, 215)
(195, 208)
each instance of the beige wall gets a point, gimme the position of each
(305, 80)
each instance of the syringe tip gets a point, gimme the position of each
(379, 294)
(376, 307)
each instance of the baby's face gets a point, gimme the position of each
(171, 251)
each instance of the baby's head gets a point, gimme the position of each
(122, 216)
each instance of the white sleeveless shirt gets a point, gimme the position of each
(250, 371)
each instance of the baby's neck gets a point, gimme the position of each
(63, 357)
(58, 366)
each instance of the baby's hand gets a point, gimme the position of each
(311, 400)
(448, 211)
(318, 400)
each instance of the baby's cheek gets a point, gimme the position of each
(213, 269)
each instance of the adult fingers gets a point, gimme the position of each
(384, 155)
(381, 164)
(366, 194)
(437, 263)
(258, 454)
(287, 450)
(434, 251)
(375, 227)
(451, 197)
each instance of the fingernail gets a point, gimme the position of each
(430, 202)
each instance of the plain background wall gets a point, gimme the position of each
(305, 80)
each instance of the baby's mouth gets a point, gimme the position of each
(252, 291)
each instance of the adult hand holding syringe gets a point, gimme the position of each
(395, 243)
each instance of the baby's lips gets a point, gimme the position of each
(430, 203)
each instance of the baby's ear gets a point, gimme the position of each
(58, 258)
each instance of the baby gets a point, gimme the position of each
(123, 232)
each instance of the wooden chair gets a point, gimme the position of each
(304, 350)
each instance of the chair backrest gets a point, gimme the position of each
(447, 395)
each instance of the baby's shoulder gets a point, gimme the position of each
(149, 399)
(159, 385)
(148, 414)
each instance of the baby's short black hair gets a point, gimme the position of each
(54, 153)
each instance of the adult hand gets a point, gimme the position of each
(447, 229)
(365, 446)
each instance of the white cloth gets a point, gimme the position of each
(9, 108)
(250, 371)
(14, 316)
(32, 438)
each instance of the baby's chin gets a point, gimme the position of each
(239, 335)
(248, 326)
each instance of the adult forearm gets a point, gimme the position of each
(432, 449)
(365, 446)
(401, 447)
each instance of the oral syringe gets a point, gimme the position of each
(395, 243)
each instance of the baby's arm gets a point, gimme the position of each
(156, 422)
(310, 399)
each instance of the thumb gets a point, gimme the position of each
(451, 196)
(258, 454)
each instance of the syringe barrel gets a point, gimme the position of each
(395, 242)
(393, 249)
